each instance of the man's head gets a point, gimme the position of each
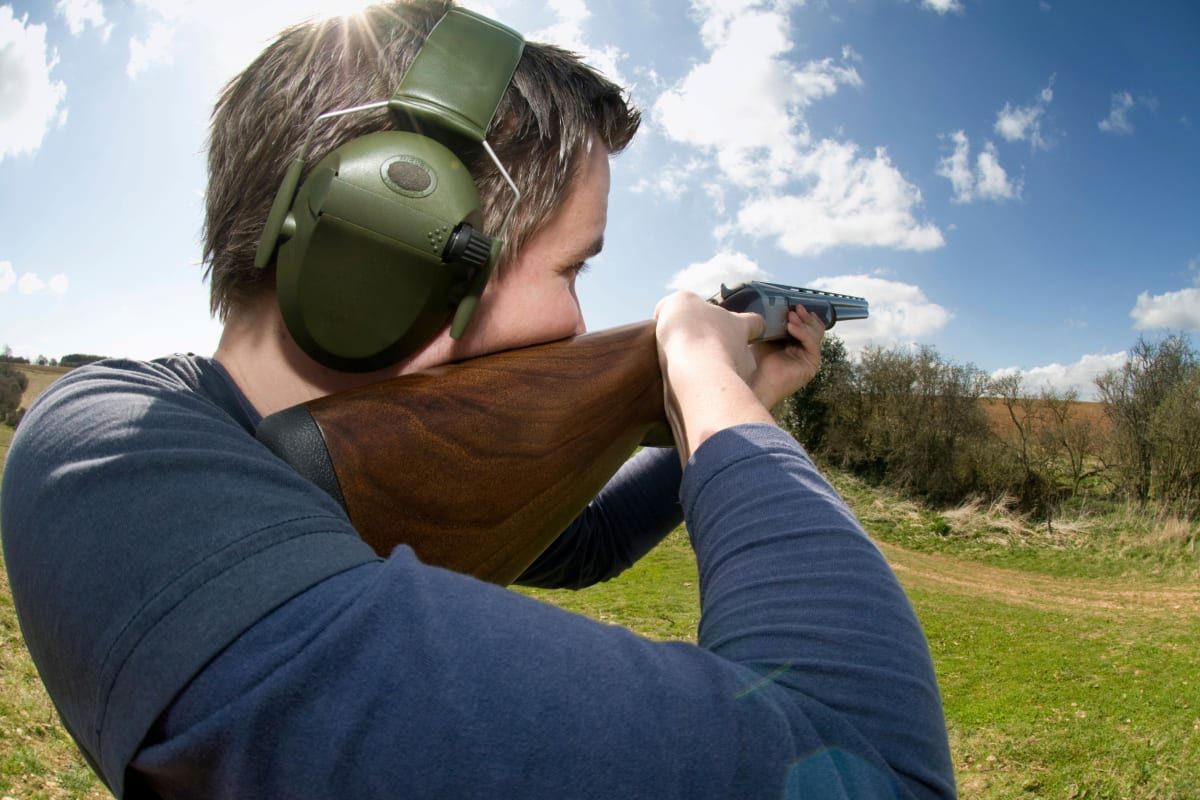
(554, 111)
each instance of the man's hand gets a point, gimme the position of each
(785, 367)
(708, 368)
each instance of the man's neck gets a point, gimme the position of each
(274, 373)
(253, 349)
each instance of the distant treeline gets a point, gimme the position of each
(78, 359)
(69, 360)
(915, 421)
(13, 381)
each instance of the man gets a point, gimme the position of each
(209, 625)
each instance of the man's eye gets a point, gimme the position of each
(579, 268)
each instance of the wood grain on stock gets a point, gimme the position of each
(479, 466)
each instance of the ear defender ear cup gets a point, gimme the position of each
(384, 244)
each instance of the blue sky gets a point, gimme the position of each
(1013, 182)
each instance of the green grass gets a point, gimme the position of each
(658, 597)
(1069, 660)
(1046, 702)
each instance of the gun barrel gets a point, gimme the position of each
(773, 300)
(848, 311)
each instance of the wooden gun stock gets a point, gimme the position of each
(479, 466)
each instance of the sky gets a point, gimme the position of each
(1015, 183)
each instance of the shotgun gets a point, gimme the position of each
(481, 464)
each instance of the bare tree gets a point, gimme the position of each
(1175, 445)
(912, 419)
(1132, 396)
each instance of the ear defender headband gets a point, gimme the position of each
(383, 242)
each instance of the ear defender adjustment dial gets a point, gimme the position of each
(468, 247)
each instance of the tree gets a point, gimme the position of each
(1174, 436)
(1073, 438)
(806, 414)
(912, 419)
(1024, 448)
(78, 359)
(7, 357)
(12, 385)
(1132, 397)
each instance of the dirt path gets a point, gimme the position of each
(964, 576)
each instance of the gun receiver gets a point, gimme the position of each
(772, 301)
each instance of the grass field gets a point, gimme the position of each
(1069, 659)
(39, 378)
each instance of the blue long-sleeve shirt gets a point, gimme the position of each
(209, 626)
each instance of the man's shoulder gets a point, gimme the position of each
(112, 375)
(127, 390)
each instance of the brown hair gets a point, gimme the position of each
(553, 108)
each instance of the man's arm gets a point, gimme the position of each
(792, 588)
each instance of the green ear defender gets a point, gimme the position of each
(383, 243)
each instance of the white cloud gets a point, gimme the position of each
(80, 14)
(716, 192)
(1177, 310)
(1015, 124)
(943, 6)
(957, 168)
(992, 181)
(900, 313)
(1172, 310)
(567, 32)
(1024, 123)
(744, 109)
(744, 104)
(1079, 376)
(988, 180)
(31, 102)
(1123, 104)
(1117, 120)
(30, 282)
(849, 200)
(672, 181)
(154, 49)
(717, 16)
(705, 278)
